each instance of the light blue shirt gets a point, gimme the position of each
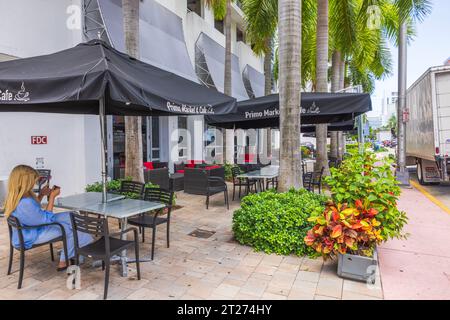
(30, 213)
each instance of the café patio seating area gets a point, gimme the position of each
(203, 262)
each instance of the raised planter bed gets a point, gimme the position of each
(357, 267)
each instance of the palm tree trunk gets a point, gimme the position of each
(289, 26)
(133, 125)
(341, 136)
(322, 82)
(227, 154)
(268, 88)
(335, 81)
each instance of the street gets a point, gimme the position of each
(439, 194)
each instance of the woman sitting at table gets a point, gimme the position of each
(22, 203)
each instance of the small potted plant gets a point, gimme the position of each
(349, 233)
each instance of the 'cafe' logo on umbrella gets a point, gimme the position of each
(22, 95)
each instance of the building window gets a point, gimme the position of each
(195, 6)
(240, 35)
(218, 24)
(155, 155)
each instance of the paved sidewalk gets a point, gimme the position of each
(419, 267)
(192, 268)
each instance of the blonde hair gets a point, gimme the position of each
(20, 183)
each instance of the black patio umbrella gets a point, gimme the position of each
(94, 78)
(316, 108)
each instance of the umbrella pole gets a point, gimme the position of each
(102, 117)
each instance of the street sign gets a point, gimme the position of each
(38, 139)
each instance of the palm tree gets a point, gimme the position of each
(222, 11)
(261, 18)
(362, 49)
(321, 84)
(133, 125)
(290, 41)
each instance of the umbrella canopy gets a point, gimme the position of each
(75, 80)
(316, 108)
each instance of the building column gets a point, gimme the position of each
(168, 127)
(195, 128)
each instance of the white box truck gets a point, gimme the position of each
(428, 126)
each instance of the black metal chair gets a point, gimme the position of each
(307, 179)
(311, 180)
(151, 220)
(273, 182)
(13, 222)
(334, 162)
(132, 187)
(241, 182)
(106, 244)
(214, 186)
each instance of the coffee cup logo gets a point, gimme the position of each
(22, 95)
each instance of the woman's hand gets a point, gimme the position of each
(45, 191)
(55, 192)
(51, 199)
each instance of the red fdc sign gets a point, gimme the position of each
(38, 139)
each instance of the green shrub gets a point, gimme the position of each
(228, 175)
(352, 147)
(277, 222)
(363, 176)
(306, 152)
(114, 186)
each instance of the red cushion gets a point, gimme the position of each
(249, 157)
(190, 165)
(148, 165)
(180, 171)
(196, 161)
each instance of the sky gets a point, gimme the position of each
(430, 48)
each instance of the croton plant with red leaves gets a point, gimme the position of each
(343, 228)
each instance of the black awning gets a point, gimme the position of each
(316, 108)
(74, 80)
(161, 37)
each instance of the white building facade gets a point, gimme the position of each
(180, 36)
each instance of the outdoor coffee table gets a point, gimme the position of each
(262, 174)
(120, 209)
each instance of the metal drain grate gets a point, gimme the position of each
(203, 234)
